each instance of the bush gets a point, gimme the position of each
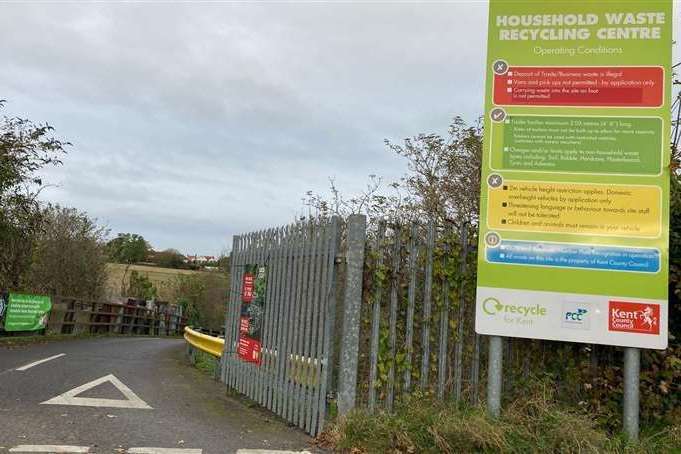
(68, 256)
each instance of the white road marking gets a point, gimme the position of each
(50, 448)
(28, 366)
(69, 398)
(164, 451)
(268, 451)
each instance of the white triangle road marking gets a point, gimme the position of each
(69, 398)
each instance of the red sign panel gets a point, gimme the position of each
(247, 288)
(253, 290)
(249, 349)
(243, 325)
(643, 318)
(617, 86)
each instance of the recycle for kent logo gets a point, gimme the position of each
(492, 306)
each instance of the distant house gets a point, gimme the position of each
(200, 259)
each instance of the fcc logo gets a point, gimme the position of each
(576, 315)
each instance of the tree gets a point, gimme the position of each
(203, 298)
(140, 287)
(128, 248)
(25, 149)
(442, 183)
(169, 258)
(444, 177)
(225, 262)
(68, 255)
(372, 201)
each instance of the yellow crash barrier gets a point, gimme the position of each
(208, 344)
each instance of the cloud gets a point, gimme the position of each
(194, 122)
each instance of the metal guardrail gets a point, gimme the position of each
(204, 342)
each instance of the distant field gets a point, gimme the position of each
(161, 278)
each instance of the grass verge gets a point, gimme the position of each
(205, 362)
(18, 341)
(535, 424)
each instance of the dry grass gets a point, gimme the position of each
(534, 424)
(162, 278)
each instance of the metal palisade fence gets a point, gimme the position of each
(291, 375)
(367, 315)
(417, 322)
(364, 317)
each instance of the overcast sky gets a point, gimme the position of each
(194, 122)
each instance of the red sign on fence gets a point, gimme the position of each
(249, 349)
(247, 288)
(243, 325)
(253, 289)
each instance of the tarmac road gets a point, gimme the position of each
(190, 412)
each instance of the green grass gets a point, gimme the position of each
(205, 362)
(534, 424)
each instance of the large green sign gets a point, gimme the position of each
(27, 312)
(575, 180)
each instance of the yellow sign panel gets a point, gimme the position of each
(577, 208)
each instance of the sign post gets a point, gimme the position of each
(574, 209)
(494, 375)
(632, 369)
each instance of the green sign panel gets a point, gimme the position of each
(27, 312)
(575, 181)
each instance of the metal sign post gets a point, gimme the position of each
(494, 375)
(632, 369)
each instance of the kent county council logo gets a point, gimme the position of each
(643, 318)
(576, 315)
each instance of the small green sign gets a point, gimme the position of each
(27, 312)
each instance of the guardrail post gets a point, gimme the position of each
(352, 303)
(191, 355)
(217, 373)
